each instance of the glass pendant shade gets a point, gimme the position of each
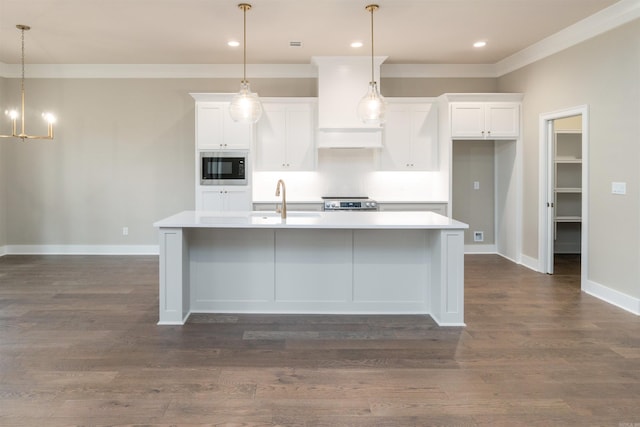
(372, 106)
(245, 106)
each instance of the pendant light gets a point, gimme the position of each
(372, 106)
(13, 114)
(245, 106)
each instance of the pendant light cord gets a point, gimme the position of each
(244, 7)
(372, 8)
(244, 44)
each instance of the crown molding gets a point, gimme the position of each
(160, 71)
(607, 19)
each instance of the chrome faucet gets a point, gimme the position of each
(283, 206)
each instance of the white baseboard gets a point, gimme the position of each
(80, 250)
(480, 249)
(531, 263)
(617, 298)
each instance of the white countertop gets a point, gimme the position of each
(299, 219)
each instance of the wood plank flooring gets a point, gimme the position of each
(79, 345)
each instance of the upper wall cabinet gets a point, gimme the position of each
(285, 135)
(215, 130)
(480, 120)
(410, 136)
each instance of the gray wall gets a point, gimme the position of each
(123, 155)
(437, 86)
(474, 161)
(3, 198)
(604, 74)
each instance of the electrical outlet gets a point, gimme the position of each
(478, 236)
(125, 231)
(476, 185)
(619, 188)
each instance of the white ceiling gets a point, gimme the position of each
(196, 31)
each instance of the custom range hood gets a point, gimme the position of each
(342, 81)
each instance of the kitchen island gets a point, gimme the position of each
(311, 262)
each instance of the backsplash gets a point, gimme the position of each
(352, 172)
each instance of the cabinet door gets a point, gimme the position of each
(270, 138)
(299, 148)
(424, 138)
(211, 200)
(284, 137)
(225, 199)
(396, 150)
(411, 137)
(235, 135)
(215, 130)
(209, 122)
(502, 120)
(237, 199)
(467, 120)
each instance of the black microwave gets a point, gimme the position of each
(224, 167)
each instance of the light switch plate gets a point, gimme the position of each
(618, 188)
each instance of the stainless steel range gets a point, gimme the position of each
(349, 204)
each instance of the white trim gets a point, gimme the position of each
(480, 249)
(530, 263)
(607, 19)
(81, 250)
(160, 71)
(617, 298)
(3, 251)
(543, 187)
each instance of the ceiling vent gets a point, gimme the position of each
(295, 44)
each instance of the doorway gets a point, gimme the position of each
(563, 215)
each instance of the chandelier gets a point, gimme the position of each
(14, 115)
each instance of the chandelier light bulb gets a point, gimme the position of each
(49, 118)
(13, 114)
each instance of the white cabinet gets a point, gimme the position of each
(225, 198)
(485, 120)
(215, 130)
(285, 136)
(410, 137)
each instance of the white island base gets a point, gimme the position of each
(337, 263)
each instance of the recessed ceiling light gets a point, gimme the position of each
(233, 43)
(356, 44)
(480, 44)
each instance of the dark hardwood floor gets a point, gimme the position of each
(79, 345)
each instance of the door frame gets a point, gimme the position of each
(546, 196)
